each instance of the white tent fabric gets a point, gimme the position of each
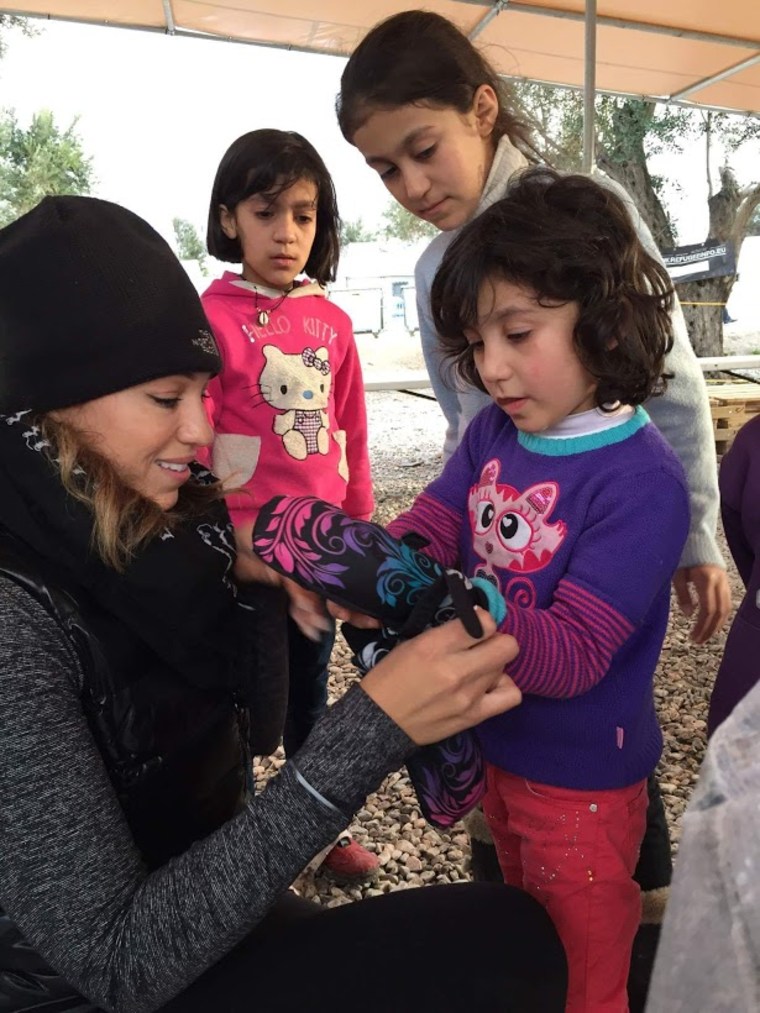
(694, 51)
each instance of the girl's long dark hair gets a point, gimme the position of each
(268, 162)
(418, 57)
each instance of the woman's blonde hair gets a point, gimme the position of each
(123, 519)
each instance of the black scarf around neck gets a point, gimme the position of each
(176, 594)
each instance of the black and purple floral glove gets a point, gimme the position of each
(359, 565)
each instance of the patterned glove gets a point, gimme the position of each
(359, 565)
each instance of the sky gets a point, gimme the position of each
(157, 113)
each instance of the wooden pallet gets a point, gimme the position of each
(731, 405)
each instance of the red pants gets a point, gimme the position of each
(576, 851)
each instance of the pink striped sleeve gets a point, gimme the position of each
(566, 649)
(439, 524)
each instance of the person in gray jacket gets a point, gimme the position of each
(709, 954)
(138, 871)
(436, 123)
(434, 120)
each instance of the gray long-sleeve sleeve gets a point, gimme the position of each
(683, 417)
(72, 878)
(709, 953)
(460, 402)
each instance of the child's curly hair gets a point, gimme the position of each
(568, 239)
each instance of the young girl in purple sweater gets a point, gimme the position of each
(566, 497)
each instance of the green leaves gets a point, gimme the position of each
(38, 161)
(355, 231)
(190, 246)
(398, 223)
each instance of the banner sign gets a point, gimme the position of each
(701, 260)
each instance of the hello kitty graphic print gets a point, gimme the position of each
(288, 406)
(511, 530)
(298, 386)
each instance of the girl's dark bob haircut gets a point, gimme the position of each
(268, 162)
(567, 239)
(421, 58)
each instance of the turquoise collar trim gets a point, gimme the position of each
(538, 444)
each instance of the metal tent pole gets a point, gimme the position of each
(589, 87)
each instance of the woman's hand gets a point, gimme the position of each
(359, 619)
(248, 566)
(307, 610)
(444, 680)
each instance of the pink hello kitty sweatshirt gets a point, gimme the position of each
(288, 407)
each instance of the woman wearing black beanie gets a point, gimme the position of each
(138, 873)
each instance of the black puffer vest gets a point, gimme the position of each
(176, 754)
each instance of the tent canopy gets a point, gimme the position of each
(694, 51)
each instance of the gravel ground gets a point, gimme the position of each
(406, 434)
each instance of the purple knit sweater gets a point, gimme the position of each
(582, 536)
(740, 508)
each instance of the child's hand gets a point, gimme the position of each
(713, 598)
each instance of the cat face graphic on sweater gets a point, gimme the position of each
(298, 385)
(510, 529)
(298, 381)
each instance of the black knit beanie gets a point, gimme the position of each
(92, 300)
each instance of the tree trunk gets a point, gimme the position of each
(623, 129)
(727, 208)
(623, 157)
(704, 321)
(730, 210)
